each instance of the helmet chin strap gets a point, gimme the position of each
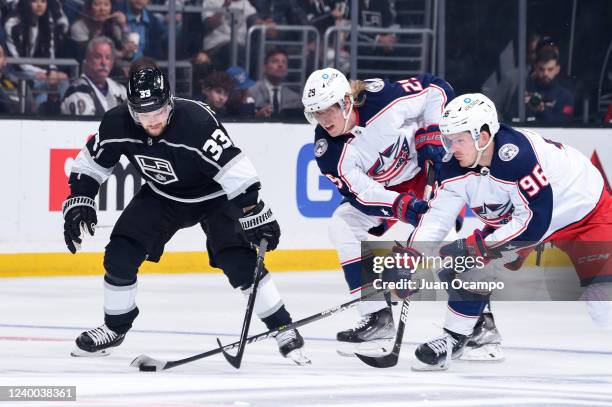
(347, 115)
(480, 151)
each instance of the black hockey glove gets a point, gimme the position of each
(474, 246)
(259, 223)
(401, 273)
(79, 218)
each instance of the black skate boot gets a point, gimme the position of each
(485, 342)
(434, 355)
(371, 336)
(97, 342)
(290, 344)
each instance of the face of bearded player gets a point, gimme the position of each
(155, 122)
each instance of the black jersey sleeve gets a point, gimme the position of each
(96, 160)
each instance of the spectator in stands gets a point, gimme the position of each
(272, 98)
(94, 92)
(191, 33)
(72, 9)
(504, 91)
(240, 103)
(29, 33)
(9, 90)
(56, 11)
(99, 19)
(546, 100)
(60, 23)
(216, 42)
(280, 12)
(323, 14)
(144, 30)
(202, 67)
(535, 44)
(376, 14)
(216, 89)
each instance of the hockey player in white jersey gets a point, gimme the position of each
(371, 141)
(527, 190)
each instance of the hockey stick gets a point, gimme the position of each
(148, 364)
(237, 360)
(391, 359)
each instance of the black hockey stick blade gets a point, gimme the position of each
(237, 360)
(390, 359)
(385, 361)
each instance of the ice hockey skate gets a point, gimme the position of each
(485, 342)
(291, 344)
(97, 342)
(372, 336)
(438, 353)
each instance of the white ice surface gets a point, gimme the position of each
(555, 355)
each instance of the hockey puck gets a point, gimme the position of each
(147, 368)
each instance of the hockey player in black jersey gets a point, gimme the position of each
(194, 175)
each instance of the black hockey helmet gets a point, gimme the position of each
(148, 90)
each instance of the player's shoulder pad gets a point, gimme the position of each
(115, 122)
(195, 119)
(427, 80)
(513, 156)
(328, 150)
(194, 111)
(378, 94)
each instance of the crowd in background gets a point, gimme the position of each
(107, 35)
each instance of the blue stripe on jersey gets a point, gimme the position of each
(525, 170)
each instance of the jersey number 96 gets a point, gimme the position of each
(533, 182)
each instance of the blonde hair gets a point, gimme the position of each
(357, 88)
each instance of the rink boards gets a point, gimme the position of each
(37, 156)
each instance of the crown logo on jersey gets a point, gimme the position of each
(494, 214)
(158, 169)
(391, 161)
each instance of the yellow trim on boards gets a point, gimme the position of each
(66, 264)
(80, 264)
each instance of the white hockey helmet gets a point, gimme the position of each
(469, 112)
(324, 88)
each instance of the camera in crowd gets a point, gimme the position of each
(535, 100)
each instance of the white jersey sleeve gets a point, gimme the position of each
(366, 190)
(444, 207)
